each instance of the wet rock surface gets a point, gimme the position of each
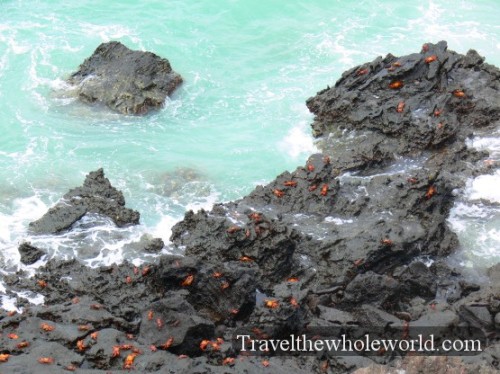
(147, 244)
(127, 81)
(29, 254)
(97, 195)
(355, 239)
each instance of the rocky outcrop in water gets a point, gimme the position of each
(127, 81)
(97, 195)
(29, 254)
(356, 239)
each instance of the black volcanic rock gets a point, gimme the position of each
(97, 195)
(29, 254)
(354, 223)
(363, 100)
(217, 290)
(376, 200)
(127, 81)
(355, 239)
(147, 244)
(183, 325)
(259, 243)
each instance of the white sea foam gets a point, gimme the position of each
(460, 33)
(32, 297)
(23, 211)
(163, 229)
(110, 32)
(338, 221)
(8, 303)
(203, 202)
(298, 142)
(485, 187)
(487, 143)
(94, 239)
(475, 217)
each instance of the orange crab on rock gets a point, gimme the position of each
(228, 361)
(431, 192)
(430, 59)
(41, 283)
(278, 193)
(84, 327)
(204, 344)
(324, 190)
(387, 242)
(116, 351)
(22, 345)
(188, 281)
(150, 315)
(168, 343)
(245, 259)
(46, 327)
(80, 345)
(233, 229)
(256, 217)
(145, 270)
(271, 304)
(361, 72)
(46, 360)
(396, 85)
(129, 361)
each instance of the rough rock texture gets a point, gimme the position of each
(29, 254)
(147, 244)
(422, 365)
(127, 81)
(97, 195)
(343, 242)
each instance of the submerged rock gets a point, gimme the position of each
(97, 195)
(127, 81)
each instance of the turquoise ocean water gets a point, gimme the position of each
(238, 120)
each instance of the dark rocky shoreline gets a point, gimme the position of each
(343, 241)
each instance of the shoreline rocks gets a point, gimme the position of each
(126, 81)
(97, 195)
(29, 254)
(355, 239)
